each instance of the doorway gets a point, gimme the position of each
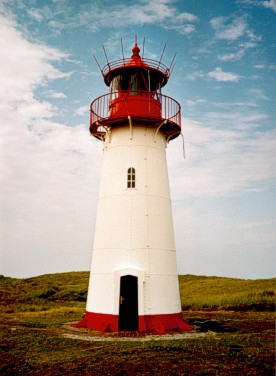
(128, 303)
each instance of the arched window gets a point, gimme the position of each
(131, 177)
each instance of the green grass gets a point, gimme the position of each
(53, 298)
(197, 292)
(200, 292)
(238, 312)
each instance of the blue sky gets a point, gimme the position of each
(223, 192)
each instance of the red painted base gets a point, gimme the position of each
(148, 323)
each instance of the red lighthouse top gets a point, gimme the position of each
(135, 97)
(135, 61)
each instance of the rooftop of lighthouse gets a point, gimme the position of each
(135, 97)
(116, 67)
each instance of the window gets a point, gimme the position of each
(134, 84)
(131, 177)
(114, 88)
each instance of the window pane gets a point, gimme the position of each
(131, 177)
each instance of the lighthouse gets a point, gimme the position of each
(133, 282)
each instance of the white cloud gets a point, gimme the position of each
(232, 56)
(193, 76)
(56, 95)
(219, 75)
(48, 198)
(232, 105)
(35, 14)
(48, 183)
(148, 12)
(231, 29)
(228, 31)
(271, 4)
(195, 102)
(237, 158)
(143, 12)
(186, 17)
(82, 110)
(26, 66)
(181, 29)
(56, 24)
(257, 94)
(227, 157)
(272, 66)
(252, 36)
(209, 240)
(259, 66)
(247, 45)
(217, 22)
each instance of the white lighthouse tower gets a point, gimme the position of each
(133, 281)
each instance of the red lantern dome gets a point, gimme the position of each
(135, 97)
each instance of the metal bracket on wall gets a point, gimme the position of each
(130, 127)
(158, 128)
(103, 135)
(171, 135)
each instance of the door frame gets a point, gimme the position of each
(141, 289)
(128, 303)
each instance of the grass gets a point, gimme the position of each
(200, 292)
(238, 312)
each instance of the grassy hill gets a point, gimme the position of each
(197, 292)
(200, 292)
(32, 334)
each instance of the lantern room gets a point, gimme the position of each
(135, 97)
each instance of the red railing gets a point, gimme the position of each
(101, 107)
(129, 61)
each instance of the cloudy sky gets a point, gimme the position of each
(223, 192)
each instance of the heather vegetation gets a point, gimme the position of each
(235, 317)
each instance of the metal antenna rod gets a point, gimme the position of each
(172, 61)
(122, 48)
(143, 48)
(98, 64)
(105, 55)
(171, 70)
(161, 55)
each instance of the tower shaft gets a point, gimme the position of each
(134, 235)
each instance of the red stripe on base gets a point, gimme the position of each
(98, 321)
(148, 323)
(163, 323)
